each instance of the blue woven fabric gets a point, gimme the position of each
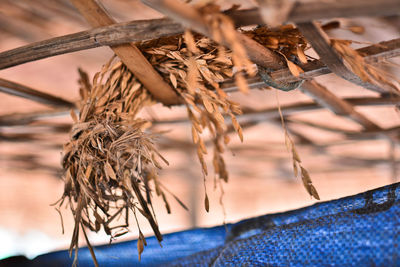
(361, 230)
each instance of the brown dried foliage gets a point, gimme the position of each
(110, 160)
(195, 66)
(285, 40)
(298, 169)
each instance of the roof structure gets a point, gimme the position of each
(342, 124)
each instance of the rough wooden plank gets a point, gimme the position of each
(130, 55)
(321, 44)
(133, 31)
(20, 90)
(17, 119)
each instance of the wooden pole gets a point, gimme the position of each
(191, 18)
(20, 90)
(130, 55)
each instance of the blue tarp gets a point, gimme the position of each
(360, 230)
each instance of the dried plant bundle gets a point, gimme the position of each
(196, 65)
(111, 160)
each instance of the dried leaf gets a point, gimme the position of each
(226, 139)
(173, 80)
(207, 203)
(202, 146)
(357, 29)
(209, 107)
(237, 127)
(295, 169)
(314, 192)
(295, 155)
(201, 159)
(300, 54)
(305, 176)
(109, 171)
(140, 247)
(73, 116)
(195, 135)
(191, 44)
(294, 69)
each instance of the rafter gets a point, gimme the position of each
(129, 54)
(20, 90)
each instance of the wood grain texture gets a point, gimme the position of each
(114, 34)
(129, 54)
(321, 44)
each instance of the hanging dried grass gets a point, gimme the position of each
(195, 66)
(305, 177)
(110, 160)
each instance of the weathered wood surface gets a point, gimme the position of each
(20, 90)
(114, 34)
(129, 54)
(321, 44)
(372, 54)
(142, 30)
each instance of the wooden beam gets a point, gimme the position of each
(114, 34)
(136, 31)
(303, 11)
(189, 17)
(372, 54)
(20, 90)
(130, 55)
(321, 44)
(327, 99)
(17, 119)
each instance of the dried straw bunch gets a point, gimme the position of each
(110, 160)
(196, 65)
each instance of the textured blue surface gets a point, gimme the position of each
(361, 230)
